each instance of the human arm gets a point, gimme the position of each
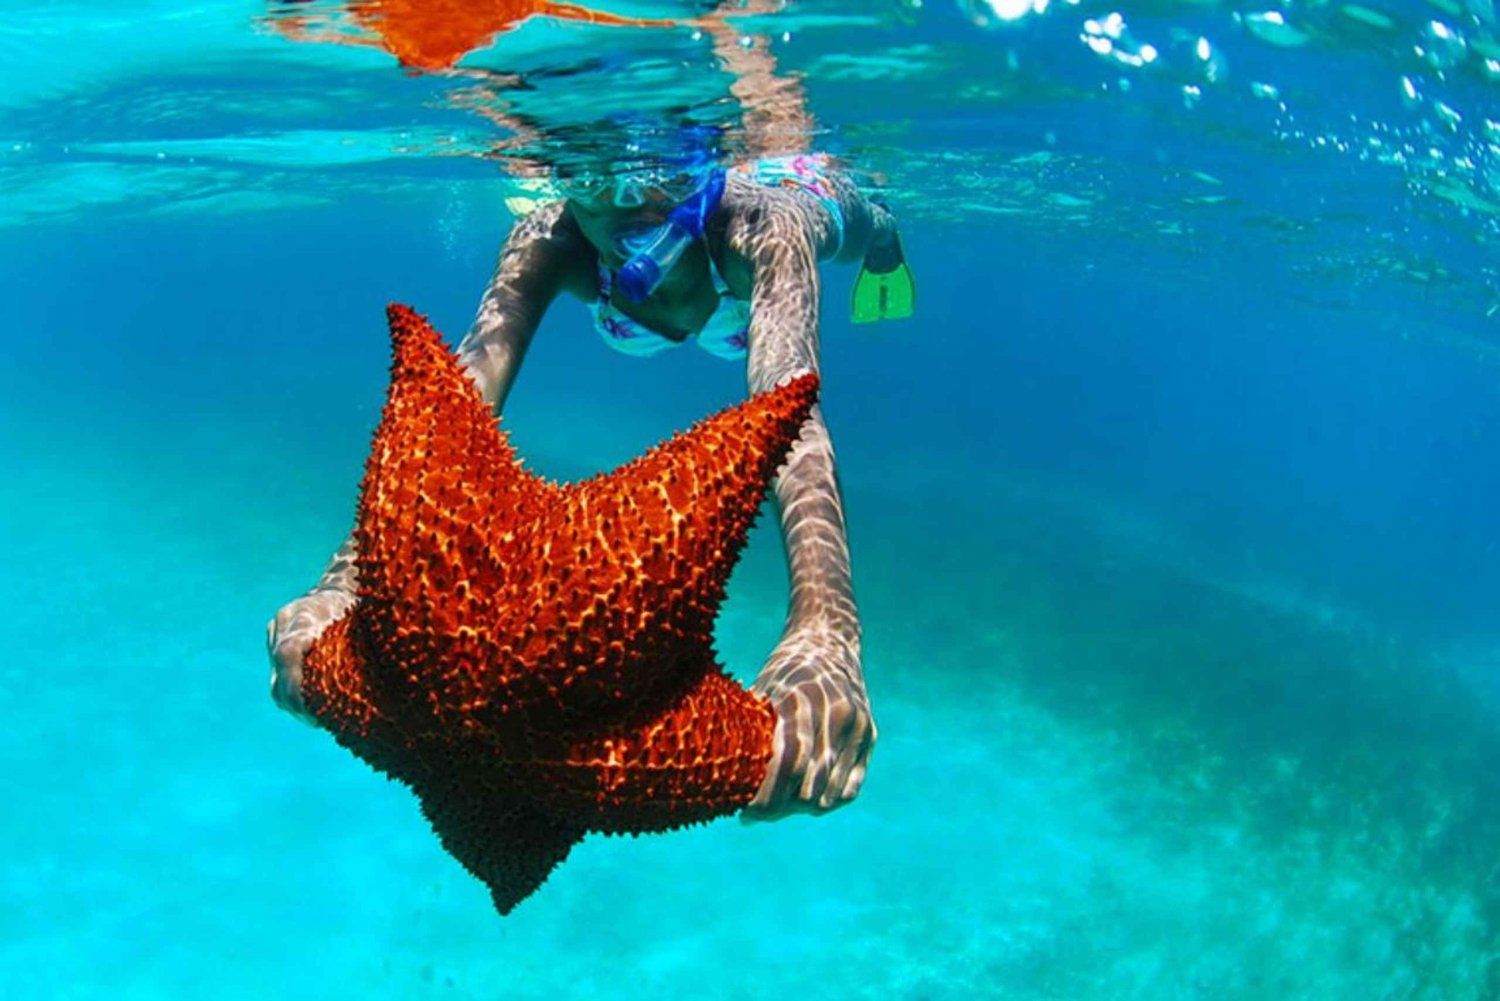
(542, 255)
(813, 677)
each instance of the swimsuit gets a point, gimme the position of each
(726, 332)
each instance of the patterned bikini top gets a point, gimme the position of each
(724, 335)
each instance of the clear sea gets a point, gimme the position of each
(1173, 509)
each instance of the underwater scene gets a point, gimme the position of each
(1166, 477)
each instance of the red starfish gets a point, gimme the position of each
(535, 660)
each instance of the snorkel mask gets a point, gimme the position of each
(632, 189)
(685, 176)
(657, 251)
(649, 254)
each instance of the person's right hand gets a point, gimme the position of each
(288, 637)
(824, 730)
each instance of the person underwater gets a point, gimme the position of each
(681, 250)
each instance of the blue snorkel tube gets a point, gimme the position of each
(643, 272)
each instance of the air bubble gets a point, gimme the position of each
(992, 13)
(1448, 115)
(1210, 60)
(1410, 96)
(1109, 37)
(1271, 26)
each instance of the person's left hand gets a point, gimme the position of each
(824, 730)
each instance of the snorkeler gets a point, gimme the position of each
(689, 252)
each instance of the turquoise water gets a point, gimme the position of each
(1172, 511)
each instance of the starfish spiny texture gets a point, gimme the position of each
(535, 660)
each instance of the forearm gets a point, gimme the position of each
(518, 293)
(815, 535)
(824, 729)
(813, 677)
(784, 344)
(341, 574)
(326, 601)
(496, 344)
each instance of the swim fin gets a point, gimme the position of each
(884, 289)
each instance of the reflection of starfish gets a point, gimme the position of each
(436, 34)
(535, 659)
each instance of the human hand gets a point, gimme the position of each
(288, 637)
(824, 730)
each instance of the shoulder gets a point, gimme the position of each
(763, 227)
(753, 211)
(550, 226)
(548, 240)
(784, 207)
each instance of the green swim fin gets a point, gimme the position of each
(884, 289)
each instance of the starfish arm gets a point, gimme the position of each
(542, 255)
(484, 816)
(673, 523)
(445, 533)
(491, 826)
(703, 756)
(339, 694)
